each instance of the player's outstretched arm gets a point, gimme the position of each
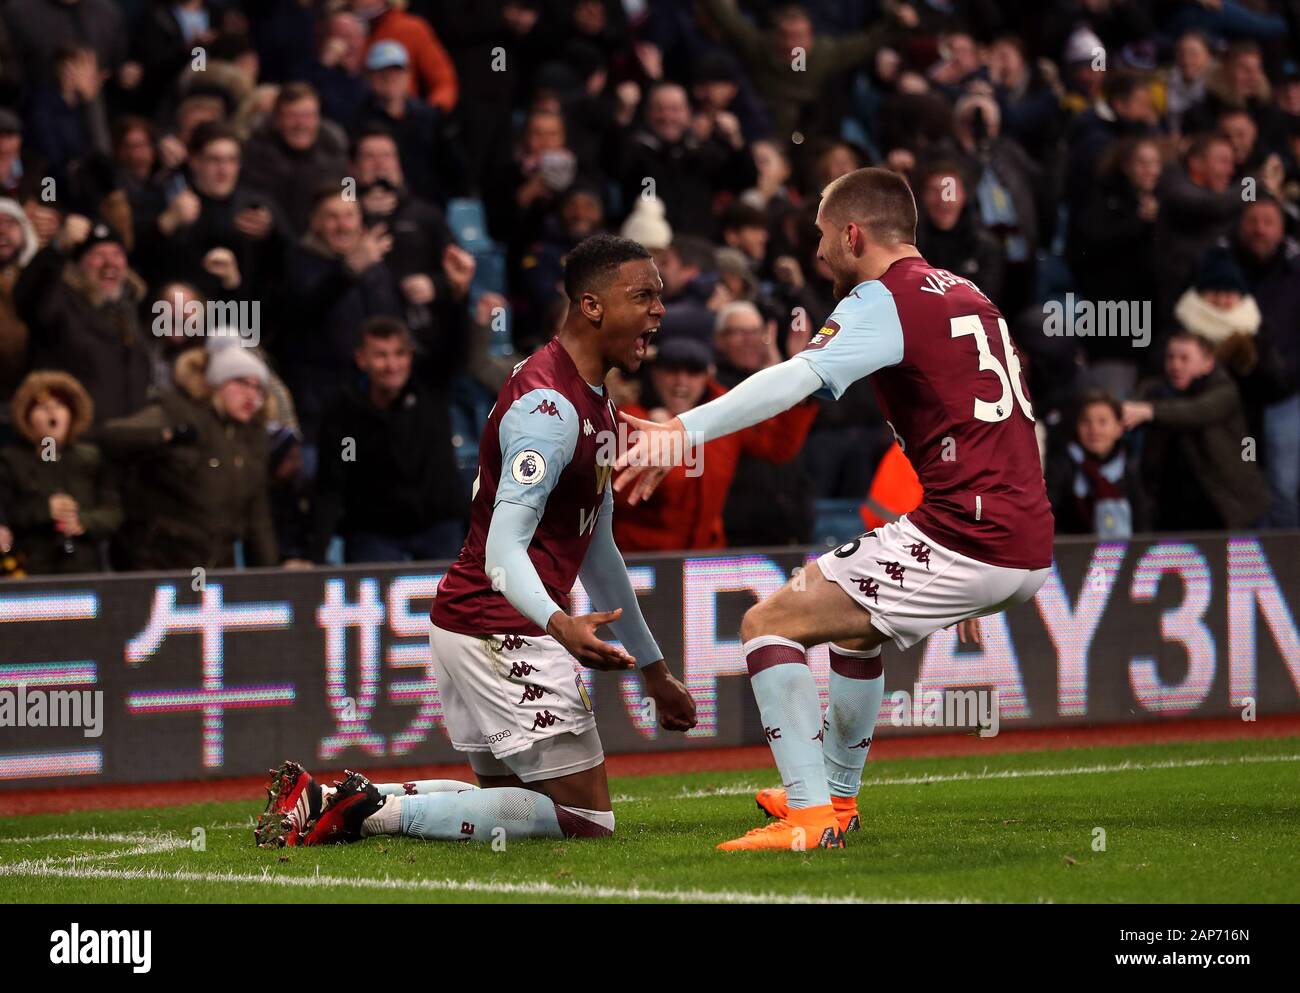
(604, 577)
(656, 448)
(512, 572)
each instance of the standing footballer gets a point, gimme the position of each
(946, 375)
(503, 642)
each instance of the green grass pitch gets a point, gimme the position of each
(1197, 822)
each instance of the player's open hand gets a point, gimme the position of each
(578, 635)
(673, 701)
(653, 449)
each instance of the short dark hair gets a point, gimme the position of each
(295, 92)
(1122, 84)
(878, 200)
(1093, 397)
(1201, 144)
(211, 131)
(590, 265)
(695, 252)
(384, 328)
(738, 214)
(1182, 334)
(370, 130)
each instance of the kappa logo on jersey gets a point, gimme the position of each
(528, 467)
(409, 789)
(587, 429)
(546, 719)
(828, 331)
(511, 642)
(548, 407)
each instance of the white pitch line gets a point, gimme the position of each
(116, 836)
(962, 777)
(39, 868)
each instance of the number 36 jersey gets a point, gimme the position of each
(947, 377)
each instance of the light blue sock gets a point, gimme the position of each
(480, 815)
(420, 786)
(792, 716)
(857, 687)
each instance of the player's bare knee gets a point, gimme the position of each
(757, 621)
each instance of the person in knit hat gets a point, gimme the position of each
(1219, 308)
(196, 466)
(59, 496)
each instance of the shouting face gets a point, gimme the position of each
(50, 418)
(632, 308)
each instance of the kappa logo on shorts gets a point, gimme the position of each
(868, 587)
(920, 551)
(864, 743)
(511, 642)
(492, 739)
(528, 467)
(546, 719)
(534, 692)
(894, 570)
(518, 670)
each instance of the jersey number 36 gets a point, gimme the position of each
(1008, 375)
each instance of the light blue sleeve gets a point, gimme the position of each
(604, 577)
(864, 334)
(506, 562)
(538, 435)
(765, 394)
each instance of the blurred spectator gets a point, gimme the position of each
(1111, 248)
(17, 248)
(686, 511)
(337, 73)
(195, 467)
(433, 163)
(1198, 205)
(948, 234)
(688, 162)
(1271, 264)
(1004, 183)
(1195, 465)
(1126, 110)
(80, 301)
(434, 76)
(60, 499)
(338, 278)
(221, 211)
(1185, 80)
(769, 503)
(66, 117)
(38, 29)
(296, 155)
(1093, 479)
(797, 99)
(386, 459)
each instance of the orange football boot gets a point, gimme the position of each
(773, 803)
(799, 830)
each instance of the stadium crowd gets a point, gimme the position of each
(265, 263)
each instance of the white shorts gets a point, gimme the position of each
(913, 587)
(505, 694)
